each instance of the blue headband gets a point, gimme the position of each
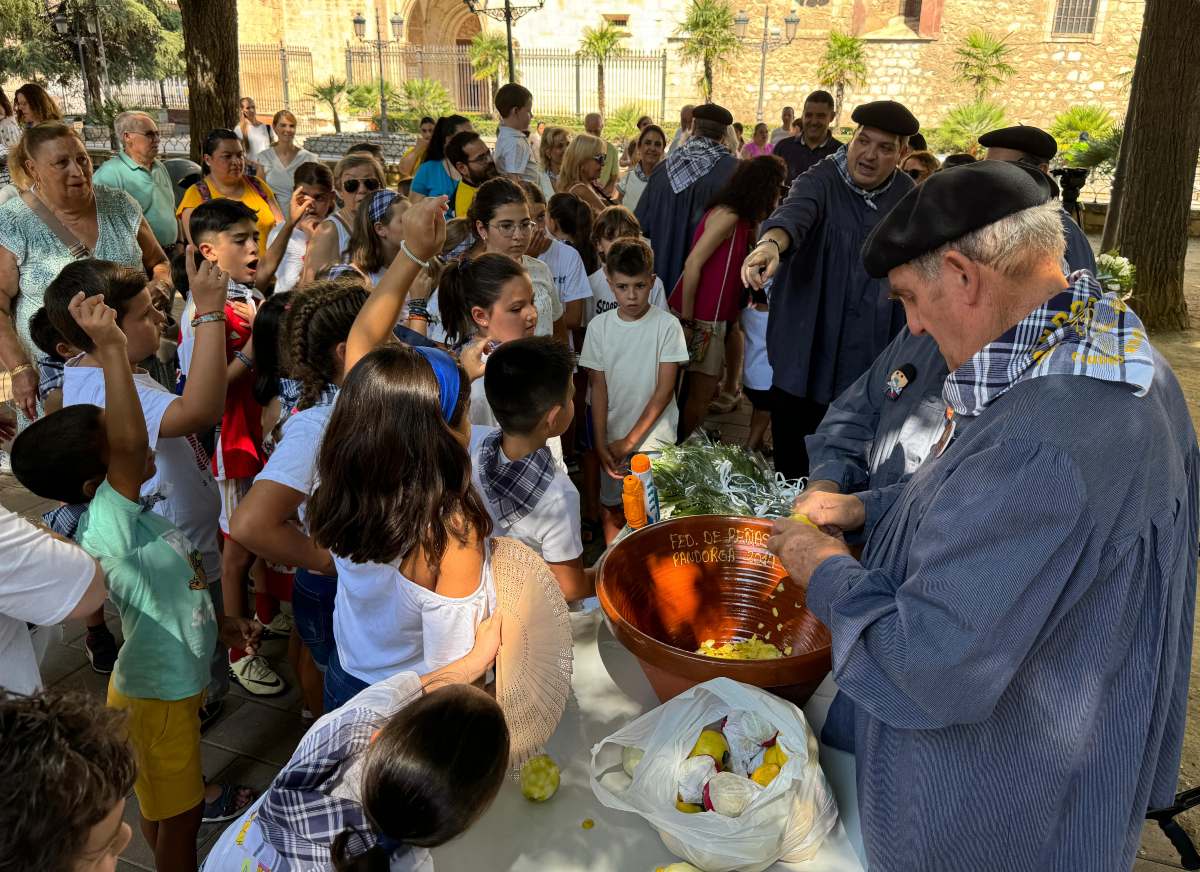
(445, 368)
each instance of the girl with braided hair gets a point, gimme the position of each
(315, 329)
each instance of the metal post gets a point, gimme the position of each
(103, 59)
(578, 85)
(349, 64)
(379, 43)
(662, 114)
(508, 20)
(83, 75)
(283, 75)
(162, 92)
(762, 68)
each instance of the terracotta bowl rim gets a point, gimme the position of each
(642, 638)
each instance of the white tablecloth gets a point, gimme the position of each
(608, 691)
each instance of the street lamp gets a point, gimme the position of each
(360, 32)
(770, 41)
(508, 13)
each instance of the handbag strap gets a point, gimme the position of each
(74, 246)
(725, 276)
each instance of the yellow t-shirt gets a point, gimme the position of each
(266, 218)
(464, 196)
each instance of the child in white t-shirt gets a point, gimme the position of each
(528, 497)
(634, 352)
(756, 368)
(615, 222)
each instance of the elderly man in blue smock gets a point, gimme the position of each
(1017, 639)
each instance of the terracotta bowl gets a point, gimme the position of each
(671, 586)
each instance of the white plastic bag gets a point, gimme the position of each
(788, 821)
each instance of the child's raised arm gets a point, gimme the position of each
(124, 424)
(424, 234)
(203, 398)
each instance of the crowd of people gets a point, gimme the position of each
(405, 372)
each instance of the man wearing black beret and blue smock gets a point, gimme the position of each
(1017, 641)
(829, 319)
(1035, 147)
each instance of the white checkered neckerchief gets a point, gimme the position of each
(692, 161)
(843, 167)
(1081, 331)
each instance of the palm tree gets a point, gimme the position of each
(963, 125)
(983, 62)
(331, 93)
(600, 44)
(708, 38)
(488, 54)
(1090, 118)
(843, 66)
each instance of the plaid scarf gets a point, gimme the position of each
(51, 374)
(690, 161)
(514, 488)
(65, 519)
(843, 168)
(1081, 331)
(298, 817)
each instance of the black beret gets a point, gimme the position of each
(888, 116)
(917, 142)
(1031, 140)
(714, 113)
(947, 206)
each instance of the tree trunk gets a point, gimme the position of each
(1160, 168)
(708, 79)
(337, 121)
(210, 48)
(1112, 218)
(94, 96)
(600, 85)
(840, 90)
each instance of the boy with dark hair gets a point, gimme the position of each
(514, 156)
(56, 351)
(634, 352)
(225, 234)
(156, 577)
(72, 759)
(530, 390)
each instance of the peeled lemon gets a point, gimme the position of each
(765, 774)
(711, 744)
(775, 756)
(539, 778)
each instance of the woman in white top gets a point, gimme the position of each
(287, 245)
(500, 218)
(255, 136)
(277, 164)
(651, 146)
(396, 508)
(355, 178)
(10, 134)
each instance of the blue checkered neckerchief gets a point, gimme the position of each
(327, 397)
(692, 160)
(515, 488)
(1081, 331)
(843, 167)
(299, 816)
(289, 393)
(65, 519)
(51, 374)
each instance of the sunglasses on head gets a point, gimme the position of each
(915, 175)
(350, 186)
(600, 158)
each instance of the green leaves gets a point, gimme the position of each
(708, 38)
(421, 97)
(331, 93)
(1090, 118)
(701, 477)
(488, 54)
(963, 125)
(983, 62)
(601, 43)
(844, 63)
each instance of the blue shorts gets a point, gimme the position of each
(585, 439)
(340, 685)
(312, 610)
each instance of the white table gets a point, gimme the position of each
(609, 690)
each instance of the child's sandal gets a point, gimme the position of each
(234, 799)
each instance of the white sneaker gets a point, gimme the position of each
(280, 627)
(256, 676)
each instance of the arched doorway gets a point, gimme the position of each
(439, 33)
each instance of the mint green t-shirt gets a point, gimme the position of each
(156, 580)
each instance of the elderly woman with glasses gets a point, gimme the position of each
(582, 164)
(499, 215)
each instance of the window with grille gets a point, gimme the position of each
(1075, 16)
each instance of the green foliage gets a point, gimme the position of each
(844, 65)
(701, 477)
(105, 114)
(963, 125)
(332, 93)
(421, 97)
(1090, 118)
(708, 39)
(621, 124)
(1099, 152)
(601, 43)
(983, 62)
(488, 54)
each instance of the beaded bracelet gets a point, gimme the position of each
(417, 316)
(423, 264)
(246, 360)
(208, 318)
(418, 306)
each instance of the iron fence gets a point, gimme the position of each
(564, 82)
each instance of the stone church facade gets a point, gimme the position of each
(1066, 52)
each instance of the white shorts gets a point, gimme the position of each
(232, 490)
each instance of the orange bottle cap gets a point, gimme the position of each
(640, 463)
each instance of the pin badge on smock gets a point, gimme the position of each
(899, 380)
(947, 434)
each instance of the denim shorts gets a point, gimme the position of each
(312, 610)
(340, 685)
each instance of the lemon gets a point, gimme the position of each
(775, 756)
(539, 778)
(765, 774)
(688, 807)
(711, 744)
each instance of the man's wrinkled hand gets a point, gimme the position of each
(801, 548)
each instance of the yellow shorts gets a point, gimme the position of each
(166, 744)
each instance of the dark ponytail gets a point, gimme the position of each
(470, 283)
(574, 218)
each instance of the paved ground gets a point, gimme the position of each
(255, 736)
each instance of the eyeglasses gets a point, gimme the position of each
(486, 157)
(915, 174)
(510, 229)
(152, 135)
(350, 186)
(600, 158)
